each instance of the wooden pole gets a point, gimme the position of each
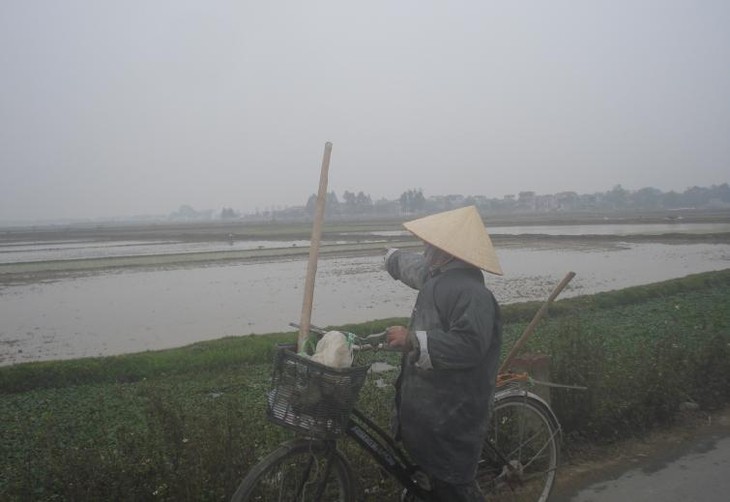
(533, 324)
(306, 316)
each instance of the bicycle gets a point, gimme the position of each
(518, 462)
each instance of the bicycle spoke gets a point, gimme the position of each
(305, 477)
(527, 439)
(538, 474)
(522, 443)
(306, 472)
(547, 443)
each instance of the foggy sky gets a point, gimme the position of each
(112, 108)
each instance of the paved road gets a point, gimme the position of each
(694, 470)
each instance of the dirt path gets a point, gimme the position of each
(598, 464)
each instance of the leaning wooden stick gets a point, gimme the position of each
(306, 316)
(531, 327)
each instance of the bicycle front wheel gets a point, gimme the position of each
(526, 435)
(300, 470)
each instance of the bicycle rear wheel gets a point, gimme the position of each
(300, 470)
(525, 432)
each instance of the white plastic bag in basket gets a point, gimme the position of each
(333, 350)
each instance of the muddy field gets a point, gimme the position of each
(129, 301)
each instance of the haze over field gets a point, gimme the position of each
(136, 107)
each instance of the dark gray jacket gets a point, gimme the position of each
(446, 385)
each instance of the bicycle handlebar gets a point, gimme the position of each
(374, 341)
(312, 328)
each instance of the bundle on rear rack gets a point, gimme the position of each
(310, 397)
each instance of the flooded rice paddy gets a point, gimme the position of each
(82, 249)
(118, 311)
(27, 252)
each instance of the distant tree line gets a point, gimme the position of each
(413, 201)
(352, 204)
(228, 213)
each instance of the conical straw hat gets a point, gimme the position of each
(460, 233)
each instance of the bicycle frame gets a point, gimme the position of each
(386, 453)
(381, 446)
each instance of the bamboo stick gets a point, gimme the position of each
(306, 316)
(533, 324)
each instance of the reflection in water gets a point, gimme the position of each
(617, 229)
(603, 229)
(129, 311)
(82, 250)
(36, 251)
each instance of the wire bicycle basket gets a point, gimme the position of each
(310, 397)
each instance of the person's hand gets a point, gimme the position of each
(397, 337)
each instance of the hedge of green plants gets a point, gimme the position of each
(186, 424)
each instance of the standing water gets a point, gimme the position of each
(130, 310)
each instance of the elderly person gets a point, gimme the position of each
(451, 349)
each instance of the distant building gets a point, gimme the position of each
(546, 203)
(527, 201)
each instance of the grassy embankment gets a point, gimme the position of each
(186, 424)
